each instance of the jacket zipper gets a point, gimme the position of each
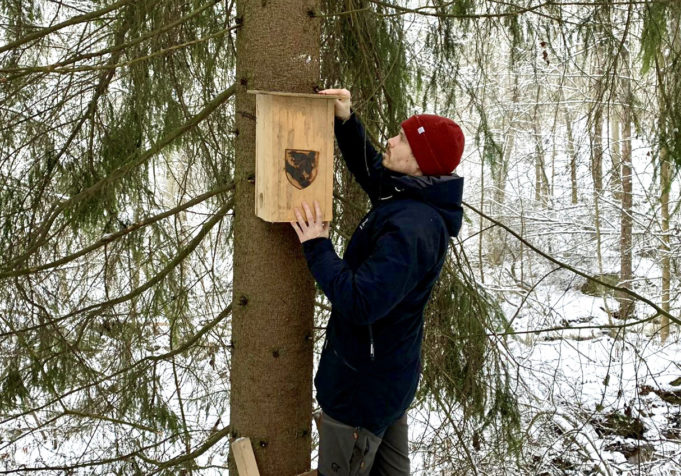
(371, 344)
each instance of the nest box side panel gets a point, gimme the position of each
(263, 149)
(294, 155)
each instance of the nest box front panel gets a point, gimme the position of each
(294, 155)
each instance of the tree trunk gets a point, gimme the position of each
(625, 302)
(665, 184)
(500, 170)
(499, 174)
(541, 180)
(278, 48)
(482, 224)
(615, 156)
(665, 180)
(597, 175)
(573, 157)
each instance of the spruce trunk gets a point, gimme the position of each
(278, 48)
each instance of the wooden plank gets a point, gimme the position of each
(244, 457)
(309, 473)
(300, 95)
(287, 126)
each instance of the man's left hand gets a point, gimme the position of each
(313, 227)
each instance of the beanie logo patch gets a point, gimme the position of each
(421, 130)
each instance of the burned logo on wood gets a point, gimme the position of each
(301, 167)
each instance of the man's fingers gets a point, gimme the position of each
(308, 214)
(318, 211)
(339, 92)
(314, 225)
(299, 217)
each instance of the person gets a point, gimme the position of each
(370, 364)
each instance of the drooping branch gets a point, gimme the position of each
(67, 23)
(43, 231)
(574, 270)
(119, 234)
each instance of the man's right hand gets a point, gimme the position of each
(342, 105)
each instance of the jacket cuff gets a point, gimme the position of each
(340, 122)
(315, 245)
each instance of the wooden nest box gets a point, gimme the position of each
(293, 154)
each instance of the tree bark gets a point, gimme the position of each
(499, 172)
(665, 181)
(615, 156)
(541, 180)
(480, 237)
(665, 184)
(626, 305)
(278, 49)
(573, 157)
(597, 175)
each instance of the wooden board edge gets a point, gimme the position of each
(299, 95)
(244, 457)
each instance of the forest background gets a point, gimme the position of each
(147, 318)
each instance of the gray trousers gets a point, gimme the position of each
(349, 451)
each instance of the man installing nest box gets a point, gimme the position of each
(371, 361)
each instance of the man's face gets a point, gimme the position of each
(398, 156)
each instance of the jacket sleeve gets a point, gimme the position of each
(360, 156)
(399, 261)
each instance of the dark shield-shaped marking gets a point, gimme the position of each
(301, 167)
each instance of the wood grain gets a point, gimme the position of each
(292, 122)
(244, 457)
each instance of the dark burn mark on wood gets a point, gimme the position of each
(301, 167)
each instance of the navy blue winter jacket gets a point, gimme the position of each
(370, 365)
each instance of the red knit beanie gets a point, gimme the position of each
(436, 142)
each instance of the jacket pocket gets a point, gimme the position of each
(336, 383)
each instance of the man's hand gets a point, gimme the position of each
(341, 106)
(314, 228)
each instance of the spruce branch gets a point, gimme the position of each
(58, 207)
(109, 238)
(70, 22)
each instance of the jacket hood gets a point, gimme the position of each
(443, 192)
